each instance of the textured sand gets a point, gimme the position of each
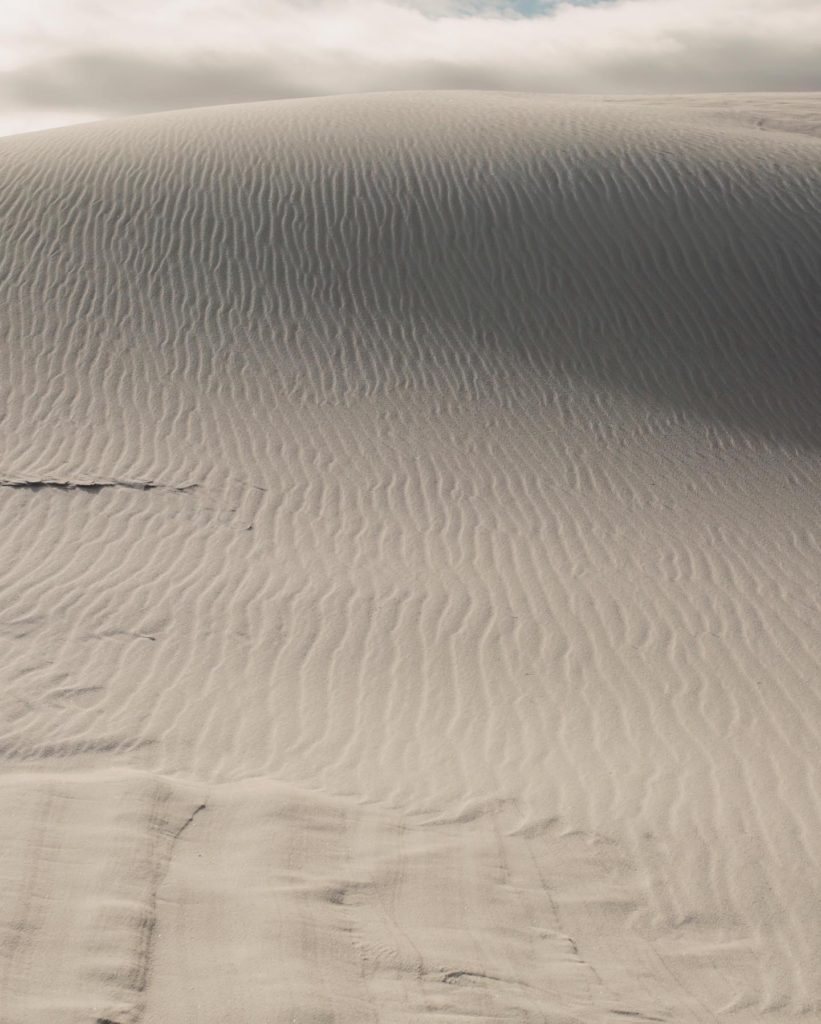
(410, 563)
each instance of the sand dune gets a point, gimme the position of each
(410, 560)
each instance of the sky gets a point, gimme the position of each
(64, 61)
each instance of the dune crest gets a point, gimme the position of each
(408, 516)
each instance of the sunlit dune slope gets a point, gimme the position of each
(410, 557)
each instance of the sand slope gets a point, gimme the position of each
(410, 562)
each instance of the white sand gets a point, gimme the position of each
(410, 563)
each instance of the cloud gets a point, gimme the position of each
(62, 61)
(129, 83)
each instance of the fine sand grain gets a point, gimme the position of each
(409, 541)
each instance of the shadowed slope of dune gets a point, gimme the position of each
(408, 518)
(381, 240)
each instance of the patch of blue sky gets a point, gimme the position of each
(498, 8)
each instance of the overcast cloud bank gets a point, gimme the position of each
(63, 62)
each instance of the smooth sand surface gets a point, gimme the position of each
(409, 540)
